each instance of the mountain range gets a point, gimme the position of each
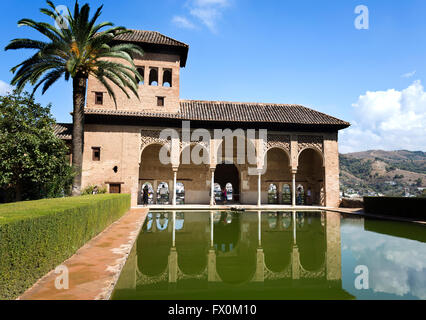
(378, 172)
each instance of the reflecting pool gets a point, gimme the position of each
(274, 255)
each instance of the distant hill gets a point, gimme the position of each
(386, 172)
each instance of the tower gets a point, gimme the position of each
(159, 66)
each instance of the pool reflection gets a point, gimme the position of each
(221, 255)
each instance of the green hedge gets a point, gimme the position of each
(37, 236)
(396, 206)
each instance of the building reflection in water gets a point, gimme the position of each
(198, 255)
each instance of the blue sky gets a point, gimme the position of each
(306, 52)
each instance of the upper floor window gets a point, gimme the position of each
(160, 101)
(99, 98)
(96, 153)
(141, 71)
(167, 78)
(153, 77)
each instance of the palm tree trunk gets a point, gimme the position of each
(79, 94)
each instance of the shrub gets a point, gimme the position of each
(34, 162)
(89, 190)
(36, 236)
(396, 206)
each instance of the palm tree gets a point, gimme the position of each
(77, 49)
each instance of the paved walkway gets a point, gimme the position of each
(95, 268)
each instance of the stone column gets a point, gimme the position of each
(146, 76)
(174, 185)
(259, 189)
(160, 77)
(293, 187)
(331, 172)
(212, 170)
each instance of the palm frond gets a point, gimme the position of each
(85, 48)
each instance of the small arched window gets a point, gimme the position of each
(272, 194)
(150, 193)
(167, 78)
(180, 193)
(300, 195)
(217, 192)
(163, 193)
(141, 71)
(153, 77)
(229, 191)
(286, 194)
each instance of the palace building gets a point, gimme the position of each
(297, 162)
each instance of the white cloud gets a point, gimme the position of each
(396, 265)
(183, 22)
(409, 74)
(208, 12)
(389, 120)
(5, 88)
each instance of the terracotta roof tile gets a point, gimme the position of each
(153, 37)
(235, 112)
(63, 130)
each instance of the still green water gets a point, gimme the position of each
(274, 255)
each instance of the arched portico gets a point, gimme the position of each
(194, 172)
(250, 165)
(310, 175)
(153, 172)
(228, 174)
(277, 173)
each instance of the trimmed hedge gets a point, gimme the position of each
(36, 236)
(396, 206)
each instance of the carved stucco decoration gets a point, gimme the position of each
(278, 141)
(304, 142)
(151, 137)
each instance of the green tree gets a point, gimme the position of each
(76, 50)
(33, 161)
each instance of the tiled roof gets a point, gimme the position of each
(63, 130)
(153, 37)
(156, 42)
(220, 111)
(254, 112)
